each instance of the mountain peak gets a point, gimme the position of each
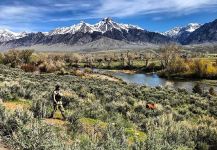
(107, 24)
(7, 35)
(193, 24)
(177, 31)
(80, 27)
(107, 19)
(82, 22)
(191, 27)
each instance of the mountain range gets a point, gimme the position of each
(108, 34)
(179, 34)
(7, 35)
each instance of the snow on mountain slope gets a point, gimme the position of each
(105, 25)
(84, 33)
(191, 27)
(173, 32)
(7, 35)
(81, 27)
(177, 31)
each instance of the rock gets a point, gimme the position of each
(1, 101)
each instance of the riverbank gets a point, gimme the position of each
(162, 73)
(101, 77)
(187, 75)
(154, 80)
(132, 69)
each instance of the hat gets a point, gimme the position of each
(58, 85)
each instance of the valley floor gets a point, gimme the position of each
(103, 114)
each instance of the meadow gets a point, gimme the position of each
(102, 112)
(112, 116)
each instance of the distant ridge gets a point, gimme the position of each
(179, 34)
(207, 33)
(84, 33)
(102, 33)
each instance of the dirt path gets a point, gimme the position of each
(2, 146)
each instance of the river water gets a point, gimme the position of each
(153, 80)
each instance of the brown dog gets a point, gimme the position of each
(151, 106)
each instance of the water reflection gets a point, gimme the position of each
(153, 80)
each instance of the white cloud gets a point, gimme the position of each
(101, 8)
(123, 8)
(27, 14)
(19, 13)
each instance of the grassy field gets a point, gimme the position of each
(102, 114)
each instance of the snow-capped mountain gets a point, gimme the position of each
(207, 33)
(191, 27)
(84, 34)
(179, 34)
(81, 27)
(178, 31)
(107, 24)
(7, 35)
(108, 34)
(173, 32)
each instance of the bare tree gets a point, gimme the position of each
(25, 55)
(89, 60)
(108, 59)
(130, 58)
(122, 58)
(168, 52)
(99, 61)
(12, 58)
(1, 58)
(72, 59)
(76, 58)
(147, 58)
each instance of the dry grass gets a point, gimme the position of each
(16, 105)
(125, 71)
(101, 77)
(55, 122)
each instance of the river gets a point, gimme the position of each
(153, 80)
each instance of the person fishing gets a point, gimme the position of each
(57, 102)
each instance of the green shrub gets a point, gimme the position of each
(36, 136)
(202, 146)
(88, 70)
(41, 107)
(1, 58)
(11, 123)
(197, 89)
(212, 91)
(116, 104)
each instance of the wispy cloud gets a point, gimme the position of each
(20, 13)
(27, 13)
(124, 8)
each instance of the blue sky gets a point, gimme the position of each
(153, 15)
